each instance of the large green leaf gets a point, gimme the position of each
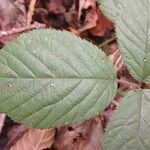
(109, 8)
(129, 127)
(50, 78)
(133, 32)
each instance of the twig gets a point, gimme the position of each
(30, 11)
(2, 119)
(115, 103)
(130, 84)
(107, 42)
(21, 29)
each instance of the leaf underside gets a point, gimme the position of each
(50, 78)
(129, 127)
(133, 32)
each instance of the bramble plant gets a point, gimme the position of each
(52, 78)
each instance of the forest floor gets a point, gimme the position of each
(83, 18)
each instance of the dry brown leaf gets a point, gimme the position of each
(85, 136)
(59, 6)
(2, 119)
(90, 20)
(12, 14)
(74, 31)
(35, 139)
(95, 139)
(90, 14)
(102, 25)
(55, 6)
(14, 133)
(85, 4)
(146, 86)
(56, 13)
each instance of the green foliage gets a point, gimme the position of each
(129, 127)
(109, 8)
(50, 78)
(133, 32)
(132, 20)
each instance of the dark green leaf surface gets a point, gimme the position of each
(133, 32)
(50, 78)
(129, 127)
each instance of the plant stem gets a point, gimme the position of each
(22, 29)
(107, 42)
(30, 11)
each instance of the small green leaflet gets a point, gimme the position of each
(50, 78)
(133, 32)
(129, 127)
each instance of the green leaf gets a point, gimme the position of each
(50, 78)
(109, 8)
(129, 127)
(133, 32)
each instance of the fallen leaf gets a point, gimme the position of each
(88, 9)
(85, 136)
(56, 7)
(146, 86)
(5, 40)
(102, 25)
(85, 4)
(74, 31)
(35, 139)
(13, 14)
(95, 139)
(90, 21)
(56, 13)
(14, 133)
